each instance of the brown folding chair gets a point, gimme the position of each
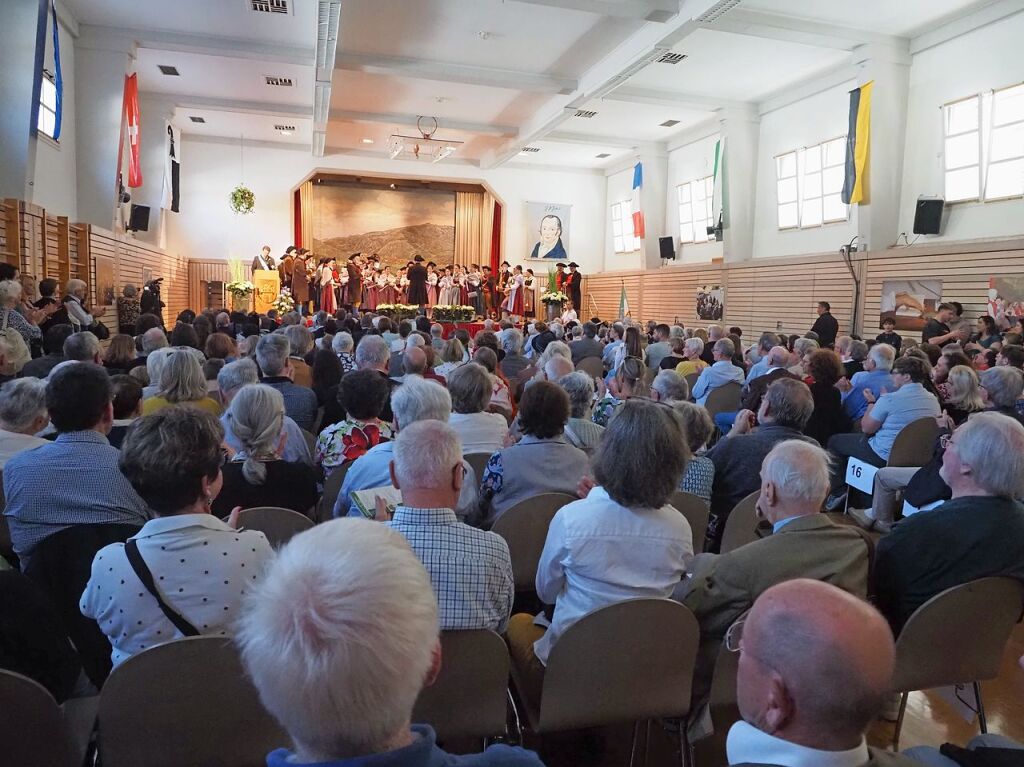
(628, 662)
(649, 375)
(185, 702)
(722, 706)
(957, 636)
(332, 488)
(914, 444)
(696, 511)
(278, 524)
(35, 730)
(724, 399)
(592, 366)
(525, 529)
(310, 441)
(469, 699)
(691, 381)
(479, 462)
(741, 525)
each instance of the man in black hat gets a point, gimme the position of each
(574, 285)
(417, 275)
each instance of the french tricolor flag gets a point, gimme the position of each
(638, 215)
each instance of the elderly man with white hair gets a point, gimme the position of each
(470, 569)
(230, 380)
(581, 431)
(83, 346)
(153, 339)
(977, 534)
(22, 416)
(437, 336)
(801, 348)
(343, 686)
(804, 544)
(415, 400)
(720, 373)
(876, 375)
(668, 386)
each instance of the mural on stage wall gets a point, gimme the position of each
(396, 224)
(710, 302)
(1005, 297)
(547, 226)
(911, 303)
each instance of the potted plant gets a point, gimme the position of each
(454, 313)
(553, 300)
(284, 302)
(242, 199)
(241, 292)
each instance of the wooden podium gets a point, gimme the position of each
(266, 288)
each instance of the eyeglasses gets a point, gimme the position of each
(945, 441)
(734, 636)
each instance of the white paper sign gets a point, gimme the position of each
(861, 475)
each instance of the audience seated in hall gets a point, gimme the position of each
(700, 471)
(479, 431)
(75, 479)
(53, 352)
(343, 686)
(272, 355)
(22, 416)
(362, 394)
(127, 407)
(668, 387)
(721, 372)
(875, 376)
(257, 475)
(588, 345)
(470, 569)
(580, 430)
(372, 353)
(182, 383)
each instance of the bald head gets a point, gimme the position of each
(778, 357)
(816, 665)
(414, 360)
(556, 367)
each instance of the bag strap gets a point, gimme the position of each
(131, 548)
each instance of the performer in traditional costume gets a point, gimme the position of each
(355, 281)
(433, 292)
(514, 301)
(530, 294)
(475, 293)
(418, 283)
(328, 281)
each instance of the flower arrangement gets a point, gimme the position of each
(398, 311)
(284, 302)
(553, 297)
(454, 313)
(239, 288)
(242, 199)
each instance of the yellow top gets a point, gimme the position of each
(153, 404)
(686, 367)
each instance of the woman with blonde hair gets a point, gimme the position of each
(452, 356)
(257, 475)
(181, 383)
(120, 354)
(628, 382)
(964, 394)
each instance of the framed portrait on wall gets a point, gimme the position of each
(547, 231)
(147, 275)
(105, 289)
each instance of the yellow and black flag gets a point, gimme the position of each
(855, 188)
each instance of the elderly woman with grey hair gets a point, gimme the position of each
(624, 521)
(692, 363)
(668, 386)
(343, 345)
(697, 429)
(581, 431)
(22, 416)
(203, 566)
(479, 431)
(181, 382)
(74, 301)
(27, 327)
(154, 367)
(257, 475)
(452, 356)
(300, 341)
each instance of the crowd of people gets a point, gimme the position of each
(126, 465)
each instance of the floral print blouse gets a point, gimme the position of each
(347, 440)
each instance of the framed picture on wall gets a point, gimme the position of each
(547, 231)
(105, 289)
(909, 303)
(147, 276)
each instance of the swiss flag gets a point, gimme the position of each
(130, 127)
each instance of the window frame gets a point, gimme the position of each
(708, 215)
(47, 77)
(623, 221)
(986, 151)
(946, 136)
(778, 179)
(800, 175)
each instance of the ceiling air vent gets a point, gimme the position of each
(672, 58)
(586, 113)
(718, 10)
(269, 6)
(281, 81)
(669, 124)
(602, 155)
(288, 128)
(195, 119)
(167, 69)
(530, 149)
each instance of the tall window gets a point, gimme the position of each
(47, 105)
(984, 146)
(809, 185)
(622, 229)
(695, 209)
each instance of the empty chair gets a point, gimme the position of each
(592, 366)
(957, 636)
(279, 525)
(332, 487)
(696, 512)
(525, 528)
(35, 730)
(627, 662)
(479, 462)
(724, 399)
(185, 702)
(914, 444)
(741, 525)
(469, 698)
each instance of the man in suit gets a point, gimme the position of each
(574, 286)
(804, 544)
(814, 668)
(264, 261)
(978, 533)
(778, 359)
(826, 326)
(588, 346)
(417, 276)
(300, 283)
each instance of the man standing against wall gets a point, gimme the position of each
(574, 287)
(826, 325)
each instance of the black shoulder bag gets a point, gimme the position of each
(131, 548)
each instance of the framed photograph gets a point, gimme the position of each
(105, 288)
(147, 276)
(547, 231)
(910, 303)
(710, 302)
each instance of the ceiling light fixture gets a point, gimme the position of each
(367, 140)
(424, 146)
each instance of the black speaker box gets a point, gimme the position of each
(138, 221)
(928, 215)
(667, 251)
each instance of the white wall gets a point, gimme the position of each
(689, 163)
(206, 227)
(801, 124)
(53, 182)
(619, 188)
(987, 58)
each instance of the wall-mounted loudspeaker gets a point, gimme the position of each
(668, 252)
(928, 216)
(138, 220)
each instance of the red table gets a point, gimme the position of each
(471, 327)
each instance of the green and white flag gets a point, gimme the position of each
(623, 303)
(717, 199)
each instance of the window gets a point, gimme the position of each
(47, 105)
(696, 199)
(809, 185)
(622, 229)
(984, 146)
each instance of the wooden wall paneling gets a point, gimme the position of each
(11, 223)
(201, 272)
(60, 267)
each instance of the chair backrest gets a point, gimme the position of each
(332, 488)
(185, 702)
(469, 697)
(914, 444)
(31, 730)
(741, 525)
(592, 366)
(279, 525)
(626, 662)
(310, 441)
(696, 511)
(691, 381)
(525, 528)
(649, 375)
(724, 399)
(479, 462)
(958, 635)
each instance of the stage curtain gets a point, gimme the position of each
(469, 228)
(306, 213)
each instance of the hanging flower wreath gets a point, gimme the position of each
(242, 200)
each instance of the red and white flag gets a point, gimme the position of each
(130, 118)
(638, 214)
